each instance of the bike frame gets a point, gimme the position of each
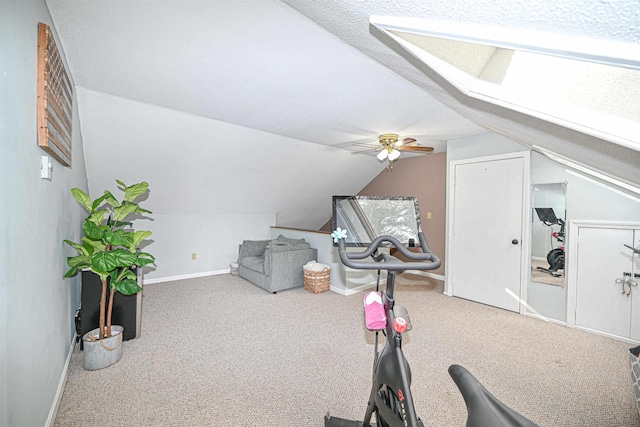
(391, 370)
(390, 395)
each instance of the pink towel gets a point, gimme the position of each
(375, 317)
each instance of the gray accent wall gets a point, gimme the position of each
(36, 304)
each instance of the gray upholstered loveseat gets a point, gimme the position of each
(275, 264)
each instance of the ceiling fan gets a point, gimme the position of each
(390, 148)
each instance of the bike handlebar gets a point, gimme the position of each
(425, 260)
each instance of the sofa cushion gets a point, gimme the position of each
(278, 246)
(253, 247)
(255, 263)
(291, 242)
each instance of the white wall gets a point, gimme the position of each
(485, 144)
(200, 165)
(36, 304)
(587, 198)
(214, 238)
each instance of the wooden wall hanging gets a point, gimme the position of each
(55, 99)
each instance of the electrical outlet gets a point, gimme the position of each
(428, 215)
(193, 256)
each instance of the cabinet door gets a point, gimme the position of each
(635, 293)
(602, 258)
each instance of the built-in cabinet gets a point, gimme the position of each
(603, 276)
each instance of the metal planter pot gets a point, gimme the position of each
(100, 354)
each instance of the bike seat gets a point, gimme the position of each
(483, 409)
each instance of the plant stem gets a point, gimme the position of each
(103, 300)
(110, 310)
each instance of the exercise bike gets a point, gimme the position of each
(555, 257)
(390, 399)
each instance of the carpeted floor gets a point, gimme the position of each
(543, 277)
(219, 351)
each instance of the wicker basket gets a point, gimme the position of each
(317, 281)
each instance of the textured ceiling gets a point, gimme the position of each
(587, 20)
(293, 74)
(258, 64)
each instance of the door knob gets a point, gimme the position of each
(514, 242)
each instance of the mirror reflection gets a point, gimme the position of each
(548, 233)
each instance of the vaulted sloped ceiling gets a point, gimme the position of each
(252, 106)
(591, 22)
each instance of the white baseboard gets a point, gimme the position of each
(351, 291)
(61, 383)
(185, 276)
(427, 274)
(546, 319)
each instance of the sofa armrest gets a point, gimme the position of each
(278, 264)
(252, 248)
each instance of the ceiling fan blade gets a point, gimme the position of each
(372, 150)
(366, 143)
(415, 148)
(408, 141)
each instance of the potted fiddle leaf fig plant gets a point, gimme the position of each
(110, 248)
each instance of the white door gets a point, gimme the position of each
(602, 258)
(487, 250)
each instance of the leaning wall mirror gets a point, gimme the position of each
(548, 233)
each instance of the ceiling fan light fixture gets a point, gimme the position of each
(393, 155)
(382, 155)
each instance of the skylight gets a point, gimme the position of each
(592, 86)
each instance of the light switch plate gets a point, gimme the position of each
(46, 166)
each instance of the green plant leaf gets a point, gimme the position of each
(98, 202)
(82, 198)
(119, 237)
(103, 262)
(129, 274)
(138, 237)
(72, 272)
(107, 248)
(78, 247)
(124, 258)
(145, 259)
(132, 193)
(110, 199)
(144, 254)
(80, 261)
(92, 230)
(93, 245)
(97, 217)
(126, 287)
(122, 211)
